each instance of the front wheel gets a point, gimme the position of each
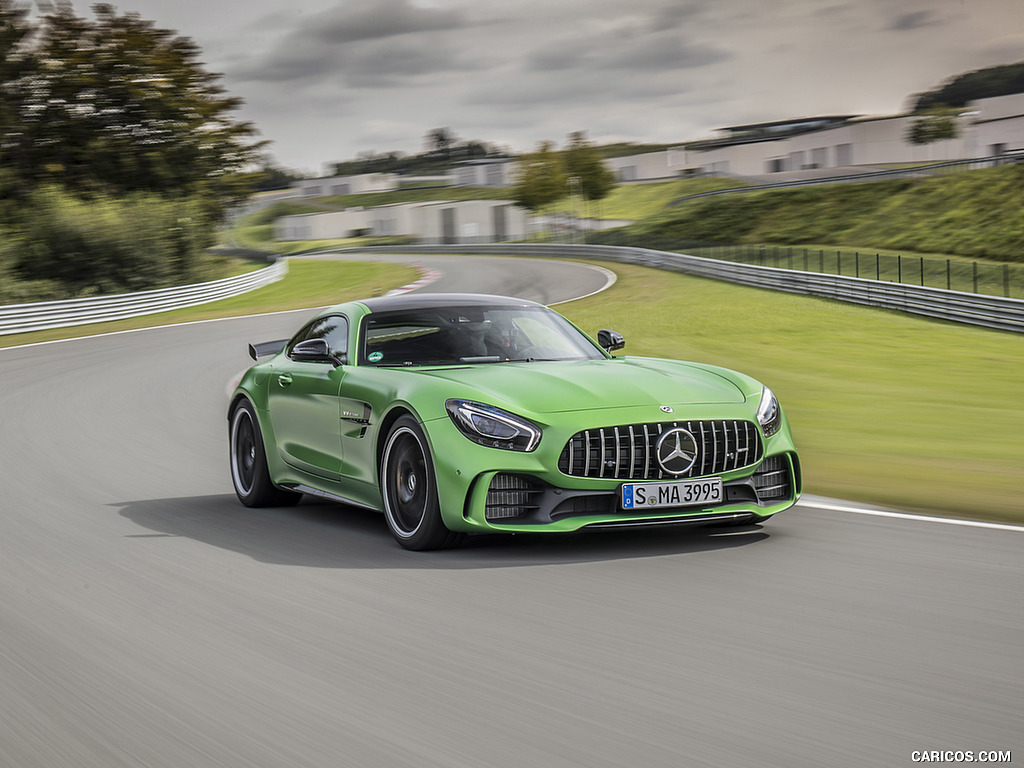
(249, 472)
(409, 490)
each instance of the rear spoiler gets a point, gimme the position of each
(256, 351)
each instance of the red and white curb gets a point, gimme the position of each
(427, 276)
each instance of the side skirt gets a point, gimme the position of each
(300, 488)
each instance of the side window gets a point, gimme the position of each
(333, 328)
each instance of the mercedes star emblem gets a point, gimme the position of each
(677, 451)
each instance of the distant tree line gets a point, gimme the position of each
(119, 153)
(442, 148)
(985, 83)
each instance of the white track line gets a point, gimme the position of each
(917, 518)
(609, 276)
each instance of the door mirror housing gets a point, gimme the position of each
(315, 351)
(610, 340)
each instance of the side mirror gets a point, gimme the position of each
(610, 340)
(314, 351)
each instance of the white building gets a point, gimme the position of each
(836, 142)
(346, 185)
(466, 221)
(352, 222)
(989, 127)
(997, 125)
(649, 166)
(486, 172)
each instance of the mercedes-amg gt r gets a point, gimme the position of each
(456, 414)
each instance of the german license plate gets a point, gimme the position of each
(675, 493)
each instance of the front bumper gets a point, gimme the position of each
(491, 490)
(513, 502)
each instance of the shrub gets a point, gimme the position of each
(108, 245)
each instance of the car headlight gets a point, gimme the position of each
(769, 413)
(493, 427)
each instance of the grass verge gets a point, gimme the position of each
(886, 408)
(308, 284)
(637, 201)
(976, 214)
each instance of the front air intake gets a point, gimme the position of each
(772, 480)
(510, 497)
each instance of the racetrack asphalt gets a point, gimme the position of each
(148, 619)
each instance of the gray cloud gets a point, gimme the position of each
(678, 14)
(393, 66)
(365, 43)
(376, 19)
(664, 52)
(657, 52)
(617, 90)
(916, 20)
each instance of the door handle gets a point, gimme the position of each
(285, 379)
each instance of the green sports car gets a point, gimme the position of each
(457, 413)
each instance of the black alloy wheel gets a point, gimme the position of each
(249, 473)
(409, 490)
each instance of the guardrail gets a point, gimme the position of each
(43, 315)
(996, 312)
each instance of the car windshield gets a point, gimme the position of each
(472, 335)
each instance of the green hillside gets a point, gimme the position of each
(976, 214)
(636, 201)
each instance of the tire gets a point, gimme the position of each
(248, 461)
(409, 490)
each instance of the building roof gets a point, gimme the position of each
(795, 123)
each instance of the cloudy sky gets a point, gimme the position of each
(327, 79)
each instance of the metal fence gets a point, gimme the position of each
(997, 312)
(985, 277)
(21, 318)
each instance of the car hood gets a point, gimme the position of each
(559, 387)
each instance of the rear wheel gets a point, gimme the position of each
(249, 473)
(409, 490)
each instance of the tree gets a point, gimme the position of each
(938, 126)
(584, 161)
(540, 178)
(270, 176)
(440, 141)
(118, 105)
(16, 61)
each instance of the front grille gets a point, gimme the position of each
(511, 496)
(630, 452)
(771, 480)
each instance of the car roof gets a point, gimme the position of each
(434, 300)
